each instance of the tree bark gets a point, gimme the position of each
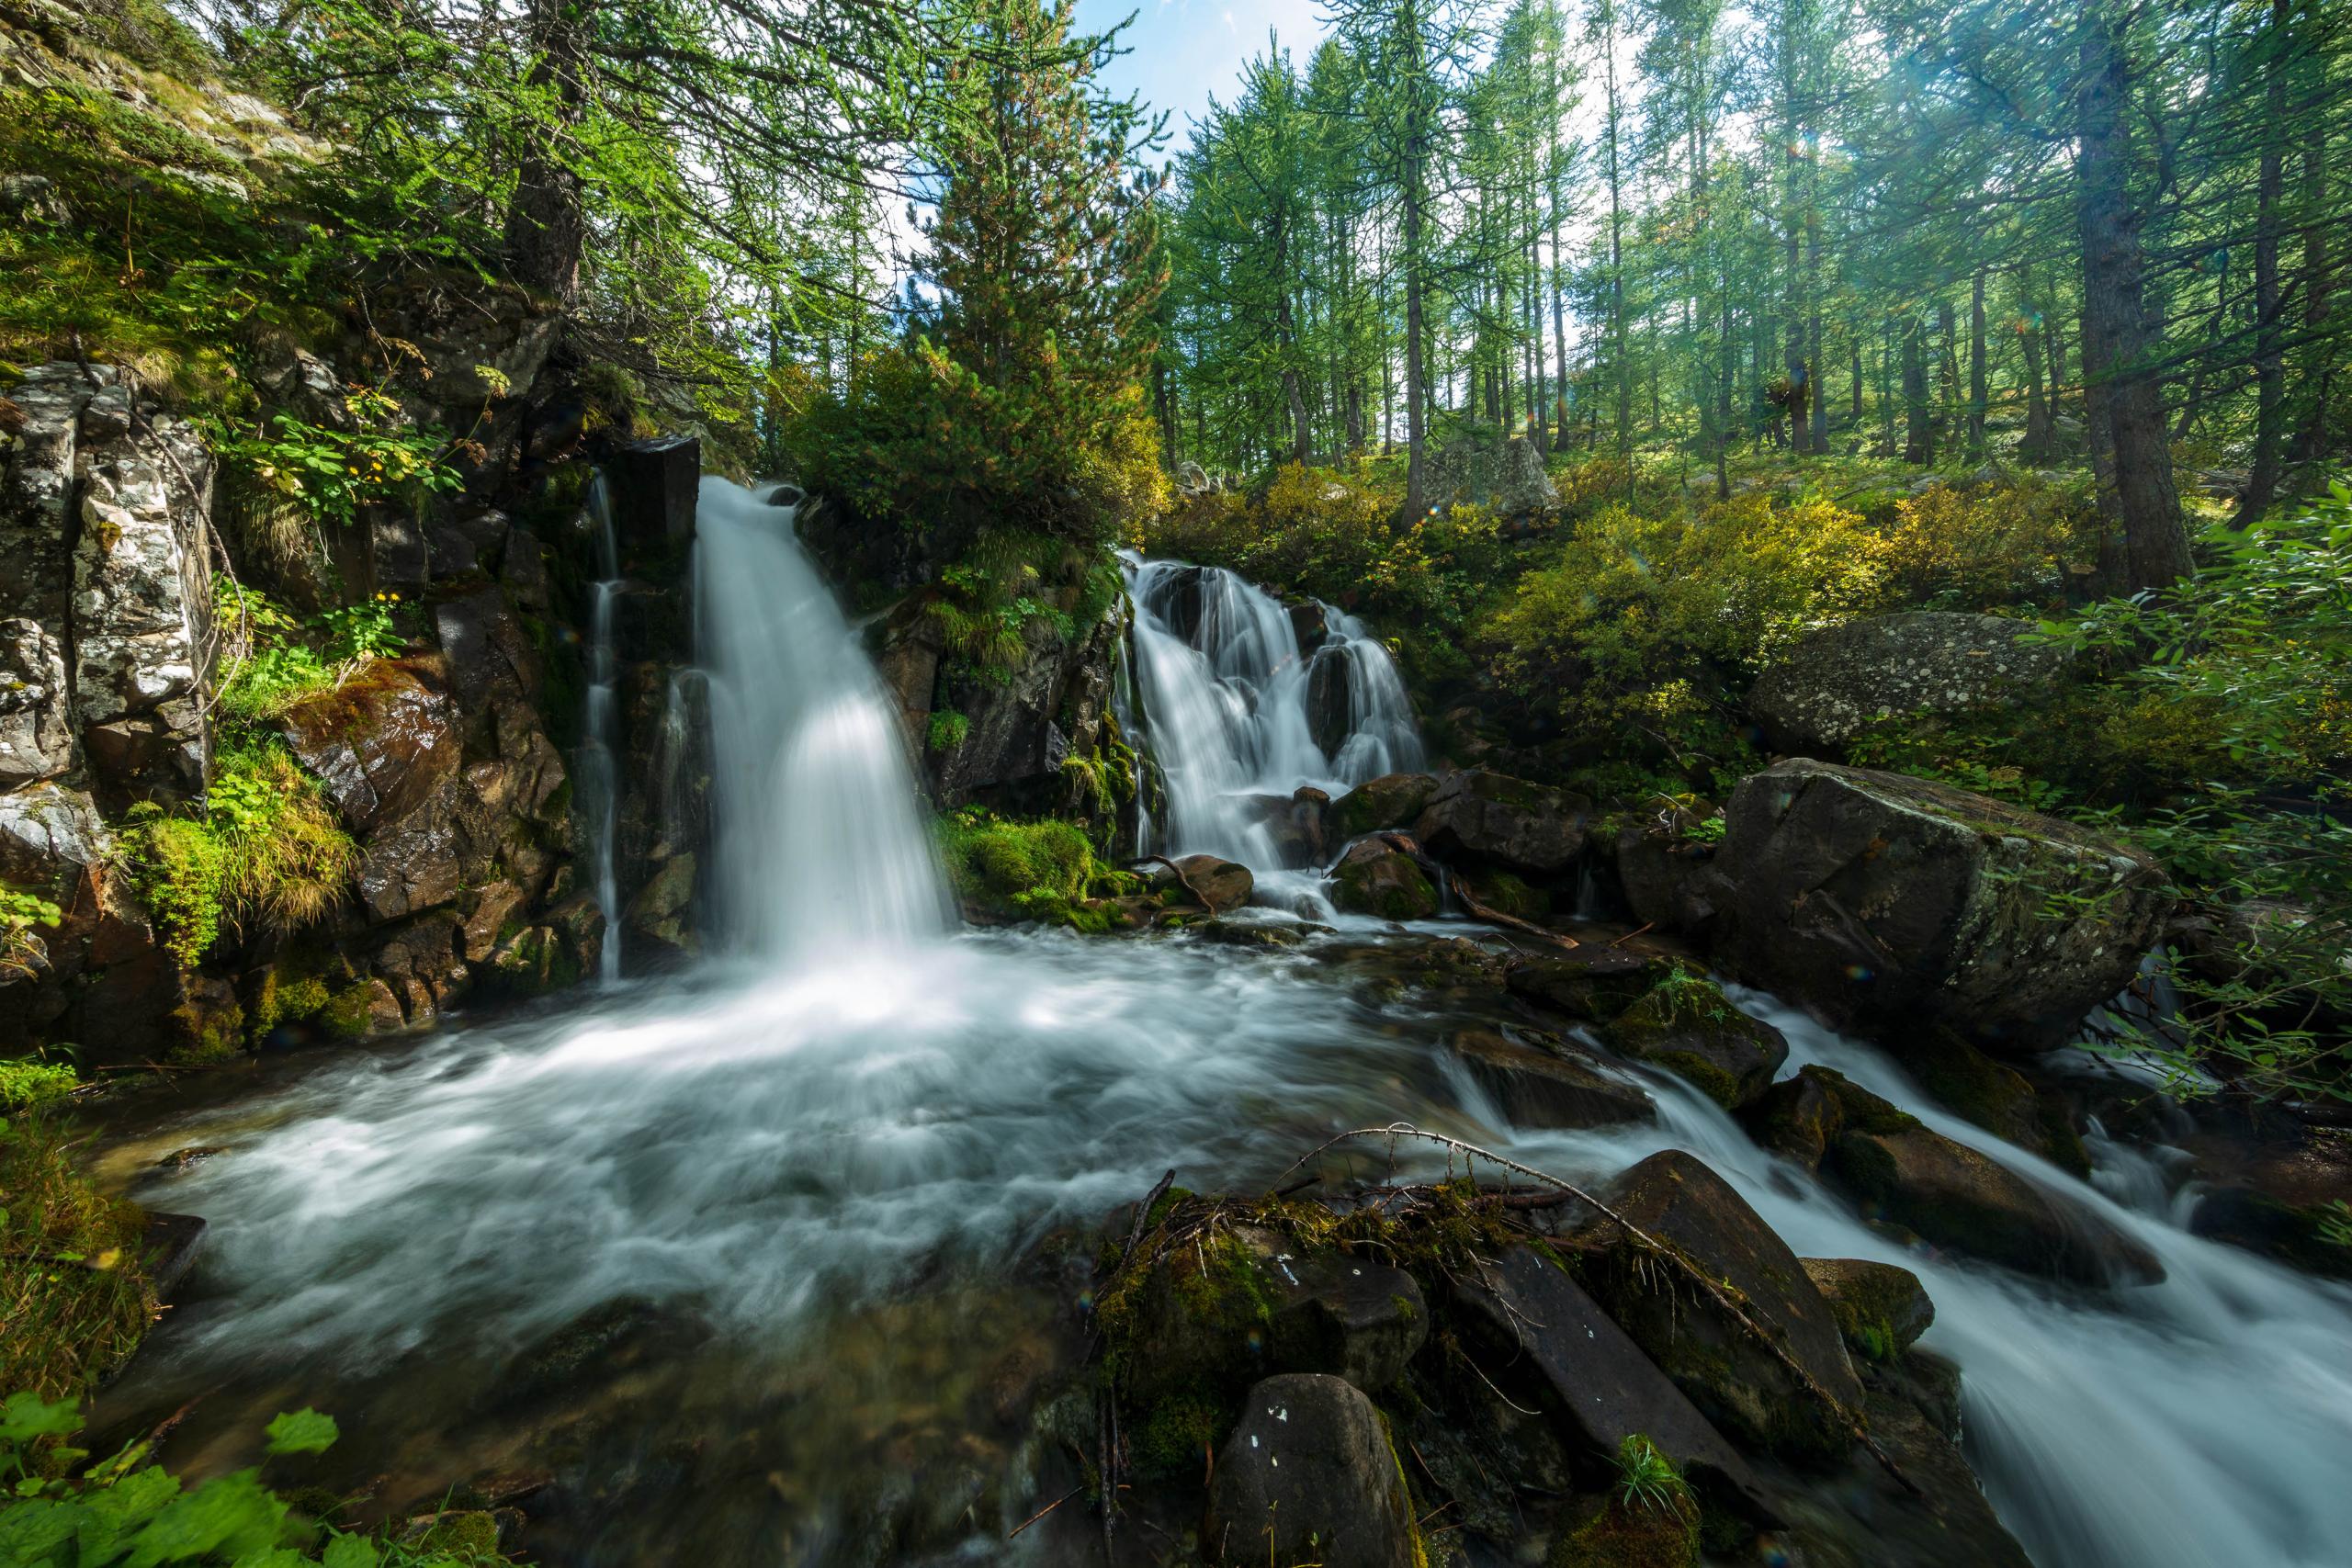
(1919, 429)
(2318, 358)
(1979, 394)
(2270, 308)
(547, 218)
(2118, 332)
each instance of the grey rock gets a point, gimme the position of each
(1835, 682)
(35, 731)
(1547, 1088)
(1510, 478)
(1309, 1476)
(1494, 819)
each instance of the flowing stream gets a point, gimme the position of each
(599, 751)
(789, 1190)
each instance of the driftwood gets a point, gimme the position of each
(1448, 879)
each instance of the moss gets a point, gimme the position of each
(204, 1034)
(72, 1274)
(1501, 890)
(1708, 1078)
(346, 1014)
(1045, 871)
(1632, 1535)
(471, 1535)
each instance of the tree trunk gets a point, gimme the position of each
(2269, 308)
(1416, 396)
(2036, 445)
(1979, 394)
(547, 219)
(2318, 358)
(1919, 431)
(2118, 333)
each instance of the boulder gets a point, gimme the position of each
(1589, 983)
(1881, 900)
(1949, 1194)
(1310, 1475)
(1376, 878)
(1492, 819)
(1995, 1097)
(1738, 1378)
(1880, 1309)
(414, 860)
(1536, 1325)
(36, 729)
(1547, 1088)
(1688, 1026)
(1223, 885)
(1508, 478)
(1835, 682)
(1346, 1316)
(382, 742)
(1393, 800)
(1664, 881)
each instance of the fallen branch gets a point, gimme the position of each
(1178, 872)
(1447, 878)
(1043, 1511)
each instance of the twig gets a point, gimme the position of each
(1198, 898)
(1445, 878)
(1047, 1509)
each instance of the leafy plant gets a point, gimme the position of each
(1647, 1479)
(22, 914)
(25, 1084)
(333, 473)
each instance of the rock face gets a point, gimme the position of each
(1835, 682)
(1881, 898)
(1494, 819)
(1547, 1088)
(1309, 1476)
(1509, 479)
(380, 742)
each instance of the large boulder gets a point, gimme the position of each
(1537, 1326)
(1880, 1309)
(1744, 1374)
(1881, 898)
(1835, 682)
(1391, 800)
(1374, 877)
(36, 729)
(1591, 983)
(1310, 1475)
(1508, 478)
(1494, 819)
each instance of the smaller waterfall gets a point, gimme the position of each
(1240, 714)
(599, 786)
(823, 848)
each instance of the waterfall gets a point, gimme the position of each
(1239, 716)
(599, 786)
(823, 847)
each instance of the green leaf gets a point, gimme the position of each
(27, 1416)
(305, 1431)
(349, 1551)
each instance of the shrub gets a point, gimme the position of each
(22, 915)
(1976, 547)
(1650, 620)
(25, 1084)
(268, 851)
(72, 1292)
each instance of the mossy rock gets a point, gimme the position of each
(1688, 1026)
(1510, 894)
(1393, 800)
(1591, 983)
(1374, 879)
(1995, 1098)
(1880, 1309)
(1633, 1535)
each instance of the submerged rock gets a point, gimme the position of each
(1835, 682)
(1547, 1088)
(1882, 899)
(1310, 1475)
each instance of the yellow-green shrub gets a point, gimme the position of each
(1640, 617)
(1979, 545)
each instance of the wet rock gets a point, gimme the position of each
(1880, 1309)
(1995, 1097)
(1375, 878)
(654, 484)
(380, 743)
(662, 907)
(1798, 1118)
(1663, 881)
(1835, 682)
(1536, 1325)
(1948, 1193)
(1547, 1088)
(2278, 1194)
(1393, 800)
(171, 1246)
(36, 731)
(1498, 821)
(1721, 1363)
(1224, 885)
(414, 862)
(1688, 1026)
(1346, 1316)
(1310, 1475)
(1591, 983)
(1882, 899)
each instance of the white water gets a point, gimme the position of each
(599, 749)
(821, 845)
(867, 1100)
(1228, 710)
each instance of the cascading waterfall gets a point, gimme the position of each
(823, 848)
(764, 1149)
(1237, 716)
(599, 786)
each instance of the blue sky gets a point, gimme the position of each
(1184, 50)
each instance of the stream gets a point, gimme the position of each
(783, 1202)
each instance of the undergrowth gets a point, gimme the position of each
(1044, 871)
(74, 1297)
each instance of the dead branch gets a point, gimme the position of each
(1197, 897)
(1445, 878)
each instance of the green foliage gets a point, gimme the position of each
(268, 851)
(947, 730)
(331, 474)
(126, 1510)
(1646, 1478)
(22, 915)
(73, 1293)
(1981, 546)
(25, 1084)
(1039, 871)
